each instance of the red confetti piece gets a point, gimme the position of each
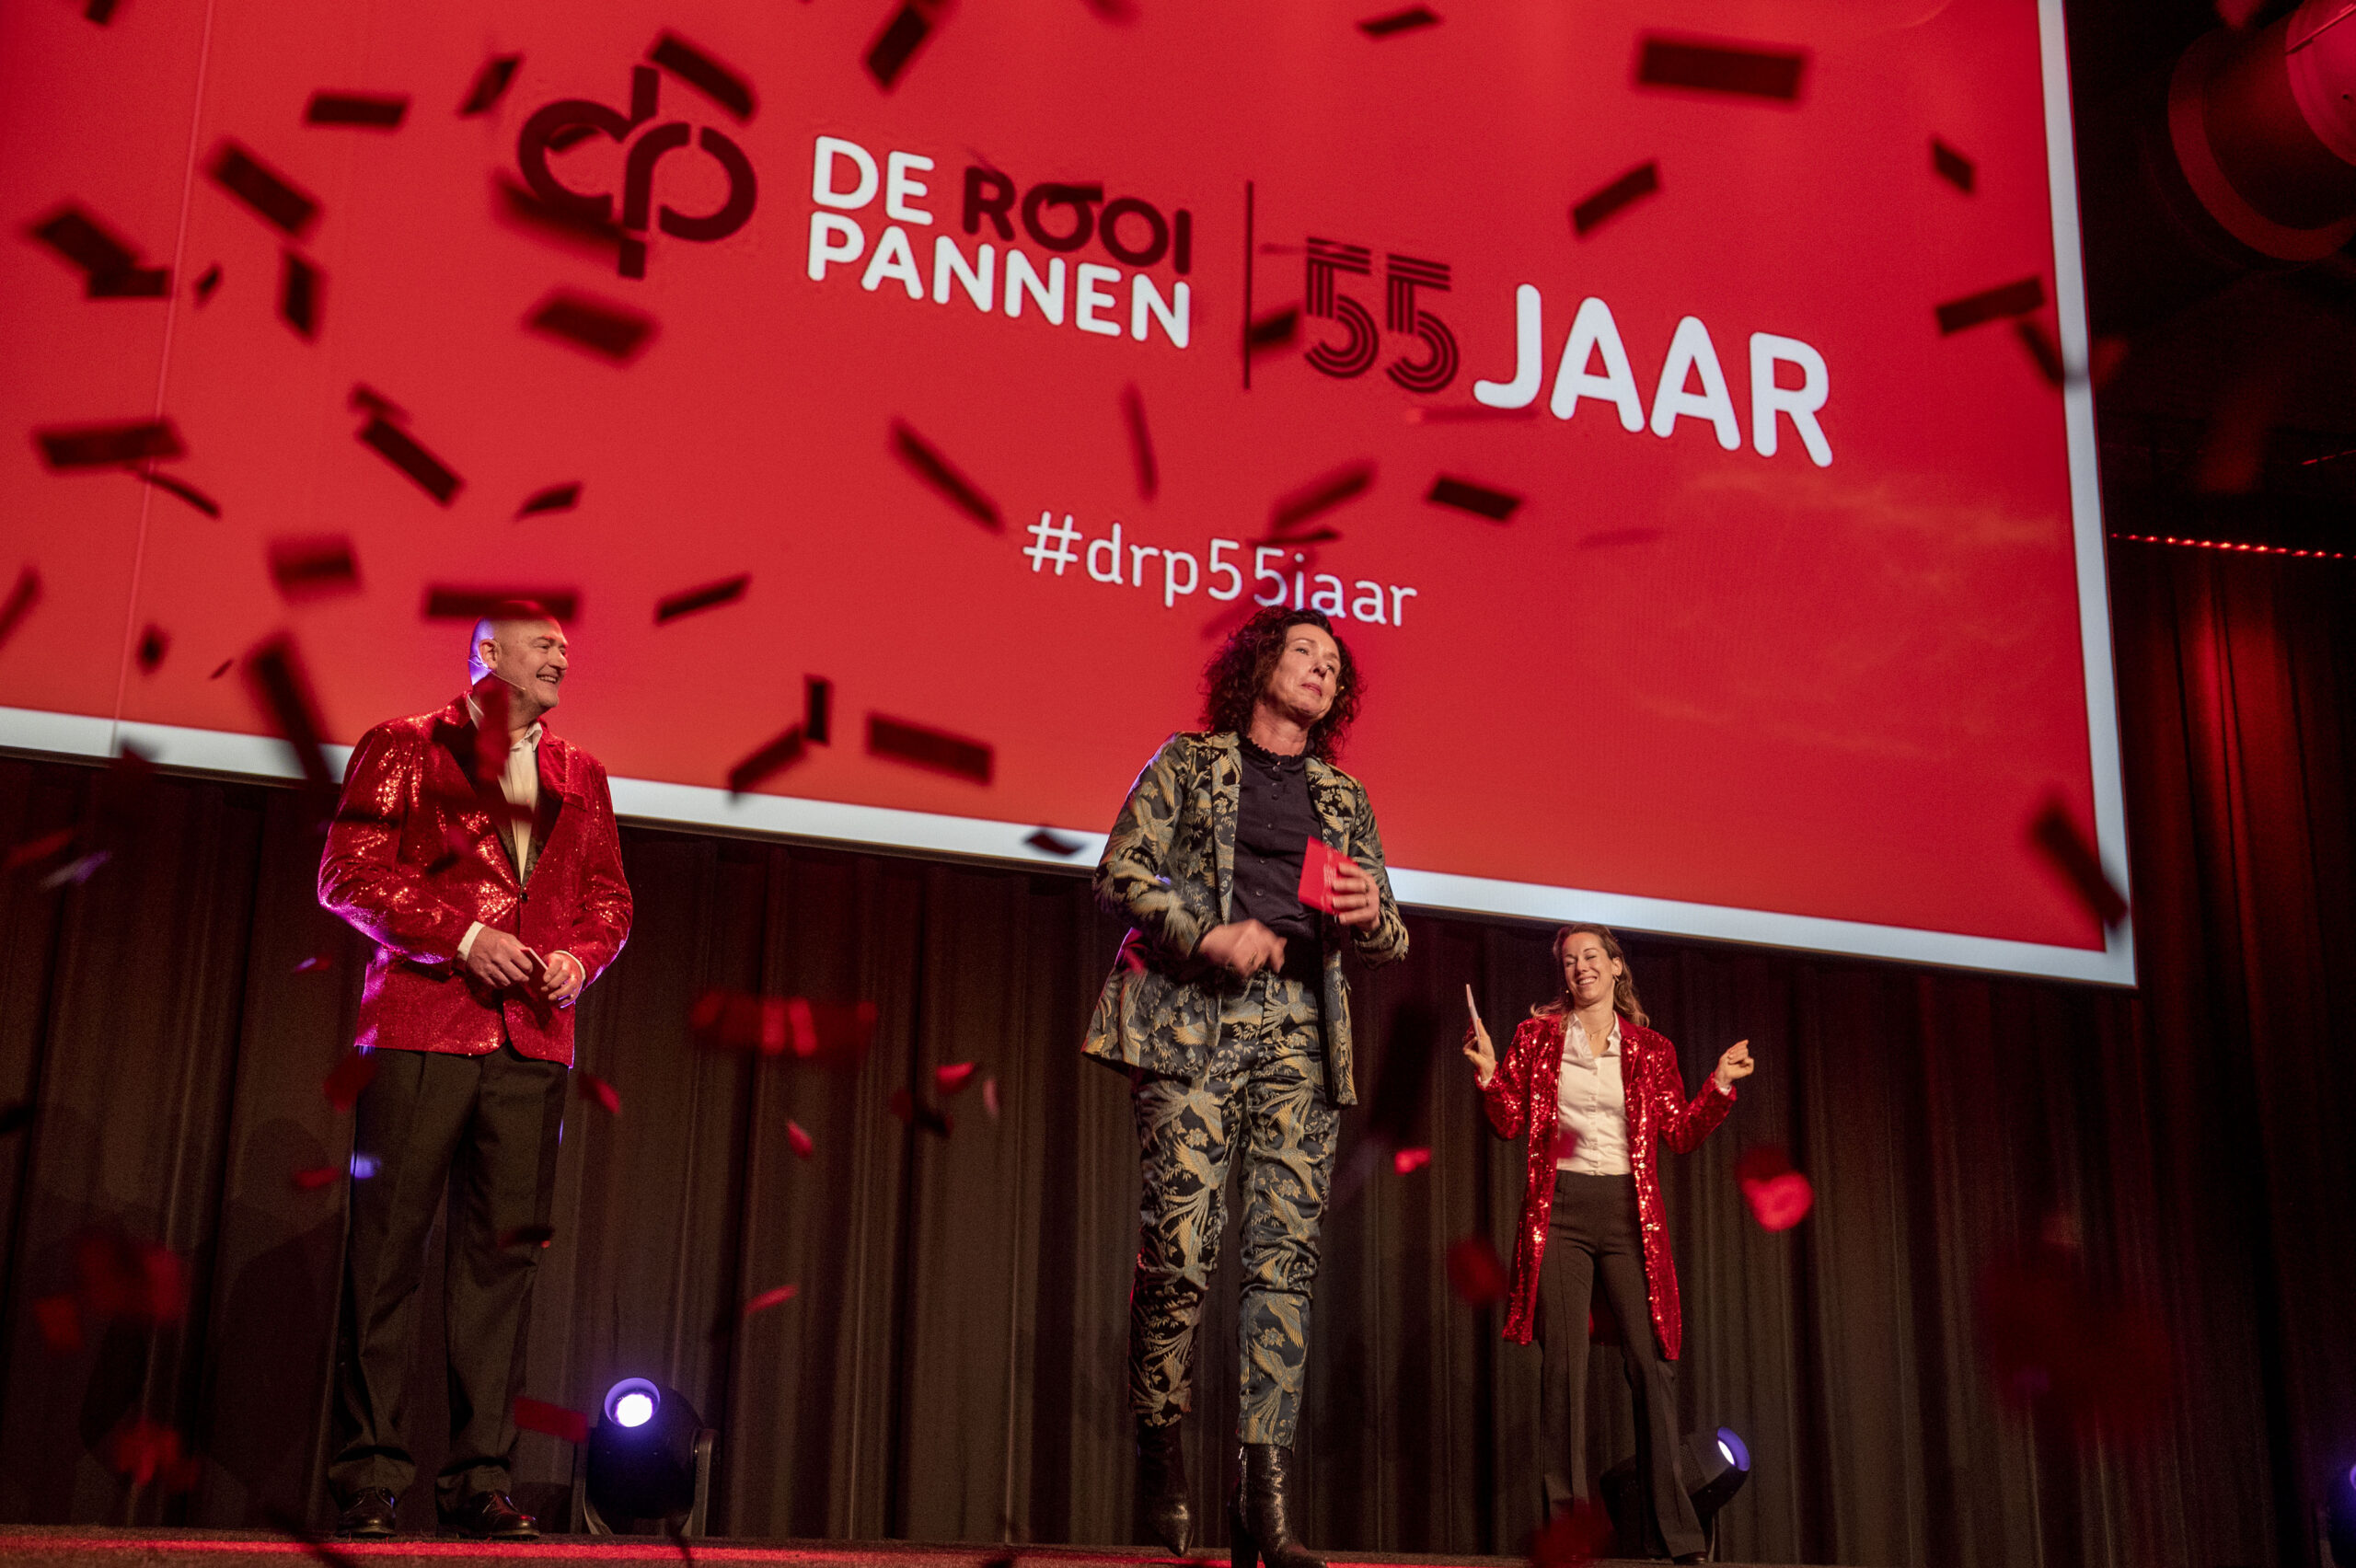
(221, 669)
(1318, 496)
(556, 498)
(597, 1088)
(614, 333)
(2056, 835)
(2043, 351)
(314, 567)
(1953, 167)
(766, 761)
(401, 449)
(951, 1077)
(704, 73)
(923, 747)
(317, 1177)
(1316, 860)
(490, 83)
(1629, 188)
(1475, 1272)
(1407, 1161)
(1719, 68)
(831, 1032)
(1779, 1196)
(145, 1452)
(768, 1299)
(109, 445)
(1274, 330)
(929, 465)
(900, 39)
(799, 1141)
(989, 1097)
(1572, 1538)
(34, 850)
(60, 1320)
(208, 280)
(817, 710)
(1140, 442)
(120, 1278)
(110, 268)
(538, 1415)
(1047, 841)
(298, 294)
(154, 643)
(275, 678)
(711, 596)
(1396, 22)
(21, 600)
(369, 110)
(1496, 505)
(266, 192)
(1991, 304)
(347, 1079)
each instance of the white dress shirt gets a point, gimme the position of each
(1591, 1105)
(521, 784)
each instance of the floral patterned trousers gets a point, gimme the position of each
(1265, 1086)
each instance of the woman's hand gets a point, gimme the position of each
(1245, 946)
(1477, 1048)
(1735, 1064)
(1356, 900)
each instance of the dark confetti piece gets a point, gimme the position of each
(1414, 16)
(262, 188)
(109, 445)
(274, 676)
(1953, 167)
(181, 488)
(738, 1021)
(1047, 841)
(365, 398)
(372, 110)
(553, 1420)
(347, 1079)
(110, 268)
(33, 852)
(915, 745)
(817, 710)
(1990, 304)
(590, 236)
(154, 643)
(15, 1117)
(526, 1236)
(907, 1109)
(475, 604)
(2042, 349)
(1720, 68)
(210, 280)
(938, 472)
(556, 498)
(768, 1299)
(1633, 185)
(298, 294)
(704, 73)
(99, 11)
(1140, 442)
(138, 282)
(20, 603)
(951, 1077)
(490, 83)
(1274, 330)
(305, 569)
(767, 763)
(898, 43)
(598, 1091)
(711, 596)
(1319, 495)
(799, 1141)
(1480, 499)
(1474, 1271)
(2057, 839)
(60, 1320)
(221, 669)
(401, 450)
(1468, 413)
(611, 331)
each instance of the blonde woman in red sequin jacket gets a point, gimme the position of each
(1594, 1090)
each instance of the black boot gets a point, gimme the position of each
(1161, 1486)
(1261, 1518)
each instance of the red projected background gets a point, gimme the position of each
(1668, 402)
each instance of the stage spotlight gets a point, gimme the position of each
(650, 1458)
(1717, 1463)
(2339, 1519)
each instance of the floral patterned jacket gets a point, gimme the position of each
(1169, 867)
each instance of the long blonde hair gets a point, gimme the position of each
(1624, 989)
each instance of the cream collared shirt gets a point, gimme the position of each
(1591, 1105)
(521, 784)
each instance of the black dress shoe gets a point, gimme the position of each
(489, 1515)
(368, 1516)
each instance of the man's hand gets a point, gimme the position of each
(562, 978)
(1356, 900)
(498, 958)
(1246, 947)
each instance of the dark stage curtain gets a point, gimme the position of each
(952, 1366)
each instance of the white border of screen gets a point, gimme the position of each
(660, 804)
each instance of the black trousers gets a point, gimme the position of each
(1594, 1231)
(487, 1127)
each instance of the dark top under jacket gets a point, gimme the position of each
(1274, 823)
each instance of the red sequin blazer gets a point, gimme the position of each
(415, 857)
(1521, 1098)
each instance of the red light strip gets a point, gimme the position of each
(2232, 545)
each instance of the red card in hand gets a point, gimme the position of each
(1315, 860)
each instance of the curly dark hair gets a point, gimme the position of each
(1239, 671)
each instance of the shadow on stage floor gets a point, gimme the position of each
(79, 1546)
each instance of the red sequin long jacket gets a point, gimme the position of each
(415, 857)
(1521, 1098)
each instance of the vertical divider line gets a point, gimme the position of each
(1247, 286)
(163, 376)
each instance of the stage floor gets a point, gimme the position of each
(81, 1546)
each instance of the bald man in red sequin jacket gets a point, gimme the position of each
(479, 851)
